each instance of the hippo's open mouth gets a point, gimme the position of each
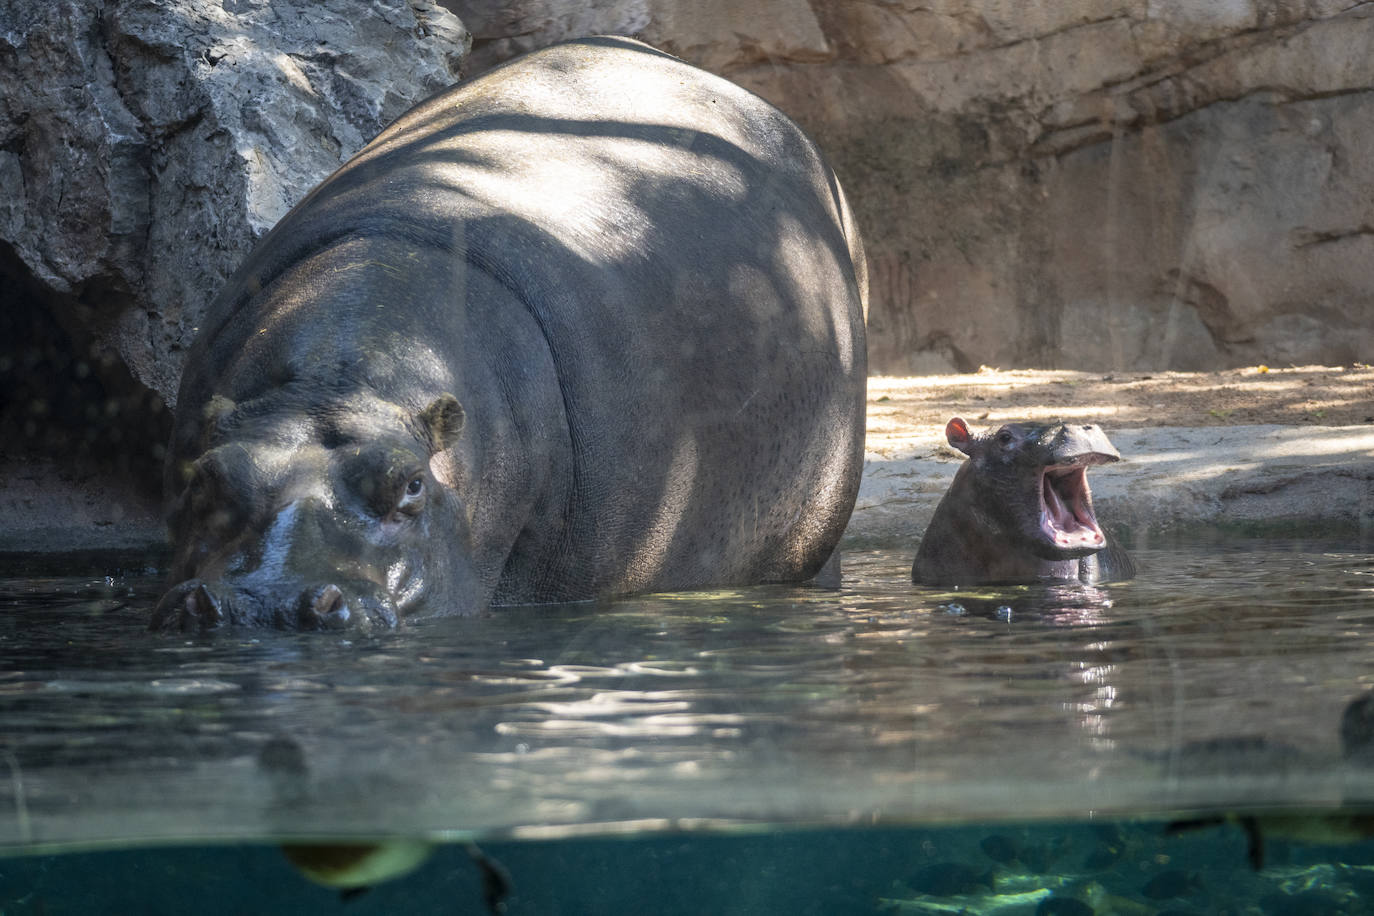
(1066, 511)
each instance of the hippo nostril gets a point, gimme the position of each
(329, 608)
(328, 600)
(202, 608)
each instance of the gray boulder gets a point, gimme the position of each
(146, 144)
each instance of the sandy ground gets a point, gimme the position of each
(1311, 395)
(1256, 446)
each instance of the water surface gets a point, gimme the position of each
(1214, 681)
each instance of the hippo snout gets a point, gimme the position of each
(1081, 445)
(196, 605)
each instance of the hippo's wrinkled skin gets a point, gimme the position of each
(591, 324)
(1019, 510)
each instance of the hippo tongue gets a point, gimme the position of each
(1066, 514)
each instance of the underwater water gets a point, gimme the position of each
(879, 748)
(1130, 868)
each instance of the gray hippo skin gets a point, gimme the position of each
(591, 324)
(1019, 510)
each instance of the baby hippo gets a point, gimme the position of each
(1019, 510)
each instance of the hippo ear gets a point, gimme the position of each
(215, 417)
(956, 431)
(217, 410)
(442, 421)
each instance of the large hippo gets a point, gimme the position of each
(1019, 510)
(591, 324)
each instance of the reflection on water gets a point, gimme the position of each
(1209, 689)
(1216, 680)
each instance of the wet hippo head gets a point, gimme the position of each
(317, 518)
(1019, 509)
(1032, 479)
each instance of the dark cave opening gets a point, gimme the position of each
(66, 398)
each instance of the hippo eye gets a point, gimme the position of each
(1004, 438)
(412, 496)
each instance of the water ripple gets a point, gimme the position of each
(785, 703)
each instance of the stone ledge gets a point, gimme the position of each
(48, 507)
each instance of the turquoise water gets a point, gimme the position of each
(1121, 868)
(876, 749)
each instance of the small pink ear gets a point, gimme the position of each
(956, 431)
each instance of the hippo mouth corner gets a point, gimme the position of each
(1066, 511)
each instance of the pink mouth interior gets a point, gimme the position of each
(1066, 518)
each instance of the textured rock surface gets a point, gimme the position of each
(145, 144)
(1092, 183)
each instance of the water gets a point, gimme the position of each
(798, 873)
(759, 750)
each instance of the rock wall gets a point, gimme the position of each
(146, 144)
(1094, 184)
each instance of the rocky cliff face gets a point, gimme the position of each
(144, 146)
(1096, 184)
(1119, 185)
